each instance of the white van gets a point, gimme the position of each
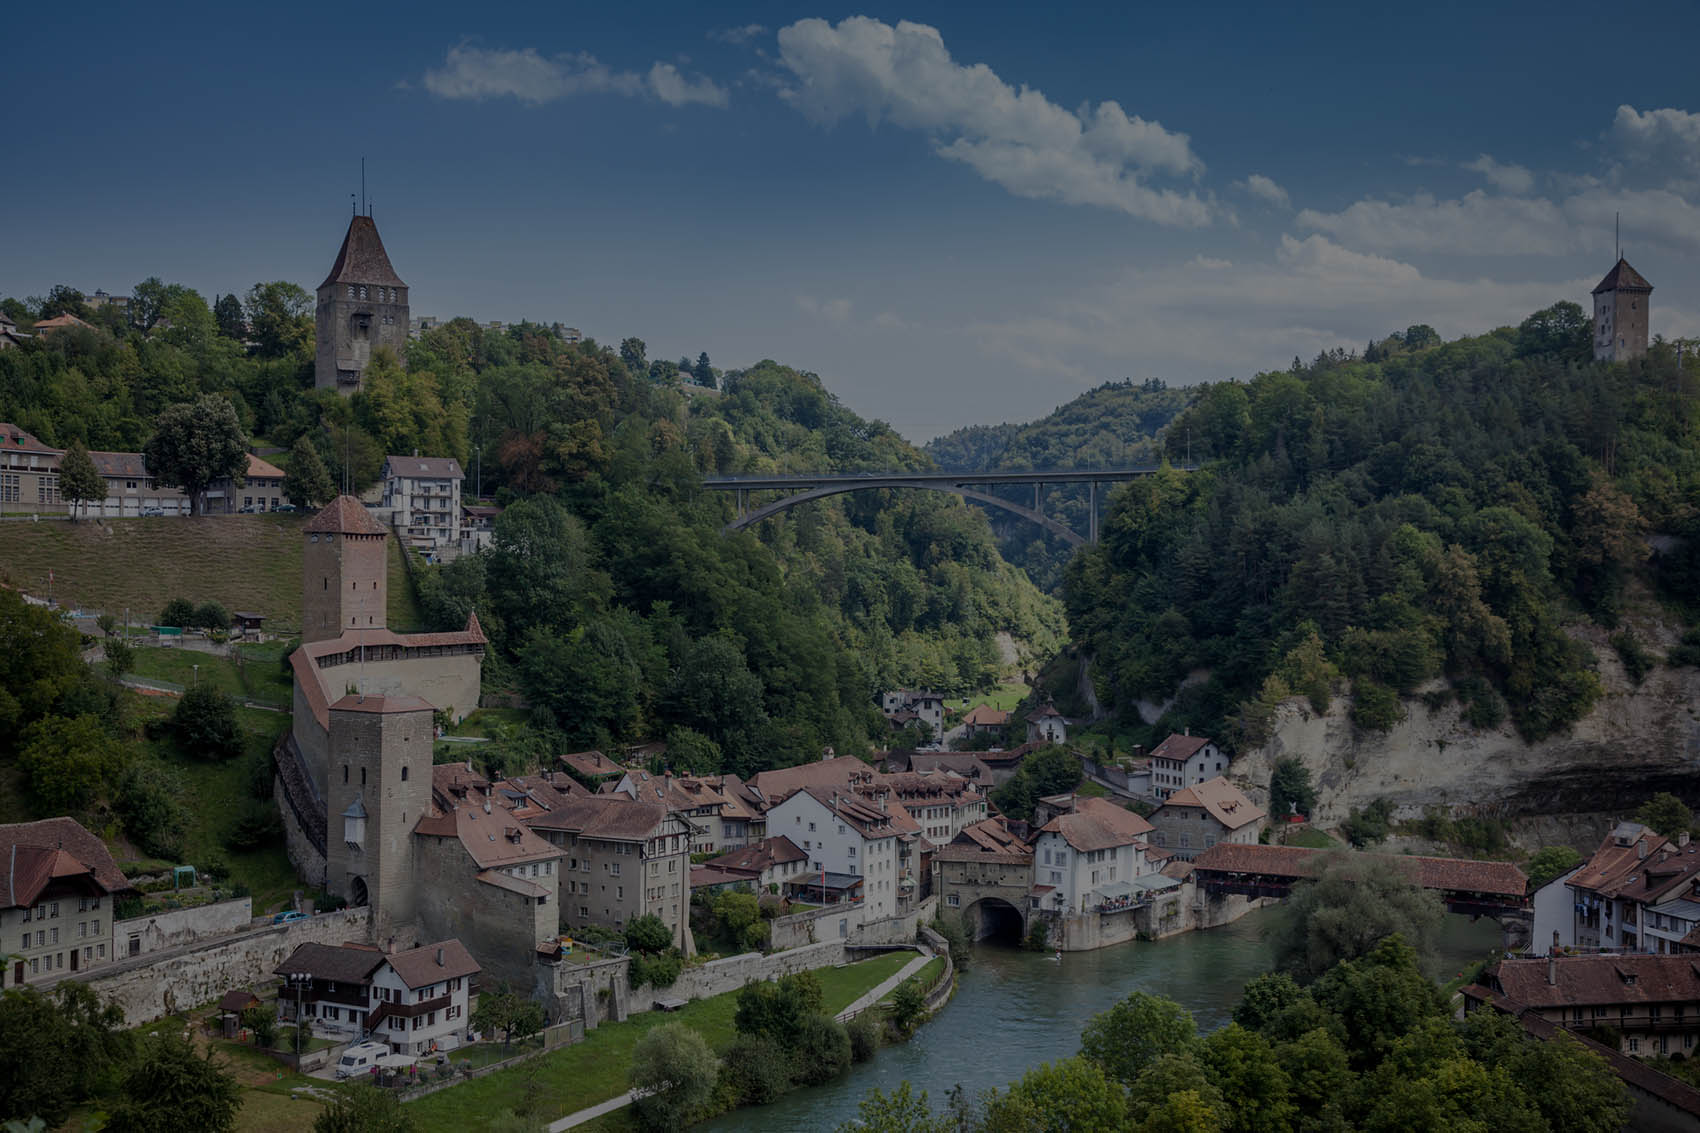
(360, 1058)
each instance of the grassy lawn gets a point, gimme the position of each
(1312, 838)
(399, 606)
(595, 1070)
(923, 979)
(242, 562)
(484, 721)
(254, 673)
(264, 1111)
(1005, 697)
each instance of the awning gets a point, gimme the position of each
(1115, 890)
(1154, 883)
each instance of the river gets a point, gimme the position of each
(1014, 1010)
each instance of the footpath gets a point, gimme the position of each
(885, 988)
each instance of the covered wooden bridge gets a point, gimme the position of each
(1475, 888)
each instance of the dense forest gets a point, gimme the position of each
(614, 602)
(1113, 426)
(1424, 510)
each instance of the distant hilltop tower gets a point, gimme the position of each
(362, 305)
(1620, 314)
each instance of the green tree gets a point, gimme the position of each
(674, 1072)
(632, 354)
(306, 482)
(1665, 814)
(779, 1009)
(509, 1012)
(541, 571)
(40, 666)
(79, 480)
(364, 1108)
(151, 800)
(1572, 1086)
(648, 933)
(204, 723)
(56, 1049)
(900, 1111)
(195, 444)
(1170, 1076)
(1290, 790)
(172, 1088)
(908, 1007)
(263, 1022)
(179, 612)
(1135, 1033)
(68, 761)
(63, 300)
(1550, 862)
(1187, 1111)
(280, 318)
(1071, 1096)
(1244, 1067)
(1347, 911)
(120, 656)
(211, 615)
(227, 312)
(1378, 998)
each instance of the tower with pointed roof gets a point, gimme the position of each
(362, 306)
(343, 568)
(1621, 302)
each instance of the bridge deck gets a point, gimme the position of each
(798, 481)
(1502, 882)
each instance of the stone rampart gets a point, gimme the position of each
(733, 972)
(149, 987)
(831, 922)
(157, 932)
(896, 930)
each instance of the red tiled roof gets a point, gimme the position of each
(1098, 824)
(345, 515)
(838, 771)
(337, 962)
(434, 963)
(985, 716)
(592, 764)
(1621, 277)
(1224, 801)
(380, 705)
(615, 818)
(33, 853)
(1178, 747)
(1609, 868)
(362, 258)
(258, 467)
(759, 857)
(1598, 981)
(1449, 874)
(59, 322)
(493, 839)
(14, 438)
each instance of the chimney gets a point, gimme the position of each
(1681, 838)
(1641, 849)
(1188, 732)
(486, 804)
(1552, 964)
(439, 957)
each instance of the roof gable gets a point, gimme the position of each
(345, 515)
(1622, 277)
(362, 258)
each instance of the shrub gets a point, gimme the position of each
(1637, 662)
(908, 1007)
(263, 1022)
(755, 1071)
(674, 1071)
(822, 1050)
(211, 615)
(149, 799)
(1483, 706)
(1685, 652)
(205, 724)
(648, 933)
(1364, 827)
(864, 1034)
(1375, 707)
(1038, 937)
(257, 827)
(179, 612)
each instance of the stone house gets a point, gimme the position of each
(1086, 860)
(845, 834)
(416, 1001)
(1182, 761)
(1619, 895)
(1195, 818)
(904, 704)
(941, 803)
(1047, 726)
(1652, 1003)
(623, 858)
(765, 866)
(58, 884)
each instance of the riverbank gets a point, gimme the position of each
(594, 1071)
(1013, 1010)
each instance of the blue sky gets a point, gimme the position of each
(953, 213)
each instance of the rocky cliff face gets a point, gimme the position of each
(1636, 742)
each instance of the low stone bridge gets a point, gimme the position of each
(1473, 888)
(989, 890)
(969, 485)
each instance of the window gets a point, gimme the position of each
(1634, 1045)
(96, 929)
(100, 950)
(404, 773)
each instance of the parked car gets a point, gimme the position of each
(249, 509)
(153, 511)
(360, 1058)
(289, 916)
(284, 507)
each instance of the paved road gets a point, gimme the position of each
(593, 1112)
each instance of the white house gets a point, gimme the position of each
(1185, 760)
(1555, 914)
(1084, 860)
(422, 495)
(847, 834)
(1047, 726)
(416, 1001)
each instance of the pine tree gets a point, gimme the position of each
(307, 483)
(79, 480)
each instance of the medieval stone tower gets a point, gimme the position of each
(342, 572)
(362, 306)
(380, 786)
(1620, 314)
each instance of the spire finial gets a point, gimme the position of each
(363, 185)
(1617, 233)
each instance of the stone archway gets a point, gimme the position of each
(997, 920)
(357, 894)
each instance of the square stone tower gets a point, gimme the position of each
(362, 306)
(379, 787)
(1621, 303)
(343, 571)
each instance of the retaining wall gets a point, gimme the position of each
(733, 972)
(832, 922)
(149, 987)
(157, 932)
(896, 930)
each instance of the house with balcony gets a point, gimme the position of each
(422, 500)
(846, 836)
(417, 1001)
(1087, 859)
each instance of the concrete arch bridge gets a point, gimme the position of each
(969, 485)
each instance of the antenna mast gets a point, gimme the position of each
(363, 185)
(1616, 228)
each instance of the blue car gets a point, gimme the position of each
(286, 918)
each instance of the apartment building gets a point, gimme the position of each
(57, 889)
(1184, 760)
(422, 497)
(623, 858)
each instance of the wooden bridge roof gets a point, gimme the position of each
(1453, 875)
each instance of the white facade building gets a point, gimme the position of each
(1084, 861)
(422, 496)
(1183, 761)
(844, 833)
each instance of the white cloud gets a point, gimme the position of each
(1507, 178)
(1474, 224)
(1260, 186)
(673, 88)
(1018, 139)
(737, 35)
(478, 73)
(1667, 138)
(830, 310)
